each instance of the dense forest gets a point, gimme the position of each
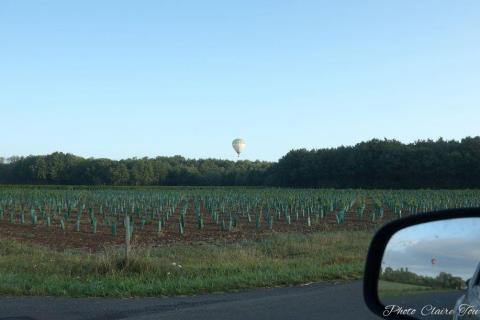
(372, 164)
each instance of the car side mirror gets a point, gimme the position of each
(418, 265)
(467, 283)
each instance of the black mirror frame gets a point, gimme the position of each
(379, 243)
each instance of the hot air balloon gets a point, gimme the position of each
(238, 144)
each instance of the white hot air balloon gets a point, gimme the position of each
(239, 144)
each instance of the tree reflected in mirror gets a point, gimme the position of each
(431, 270)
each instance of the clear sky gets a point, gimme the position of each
(120, 79)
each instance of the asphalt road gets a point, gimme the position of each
(315, 301)
(435, 305)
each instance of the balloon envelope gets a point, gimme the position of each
(238, 145)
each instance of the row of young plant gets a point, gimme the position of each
(263, 208)
(222, 209)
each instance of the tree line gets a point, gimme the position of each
(443, 280)
(61, 168)
(372, 164)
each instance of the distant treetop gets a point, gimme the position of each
(371, 164)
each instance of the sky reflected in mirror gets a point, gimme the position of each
(427, 249)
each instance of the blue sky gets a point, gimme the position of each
(120, 79)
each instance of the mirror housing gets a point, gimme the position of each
(379, 244)
(467, 283)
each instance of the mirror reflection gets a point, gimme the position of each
(431, 270)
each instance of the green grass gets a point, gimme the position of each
(391, 289)
(286, 259)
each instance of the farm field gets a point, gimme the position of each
(92, 218)
(69, 241)
(388, 289)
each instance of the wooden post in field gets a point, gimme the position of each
(127, 237)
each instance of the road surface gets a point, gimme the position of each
(435, 305)
(314, 301)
